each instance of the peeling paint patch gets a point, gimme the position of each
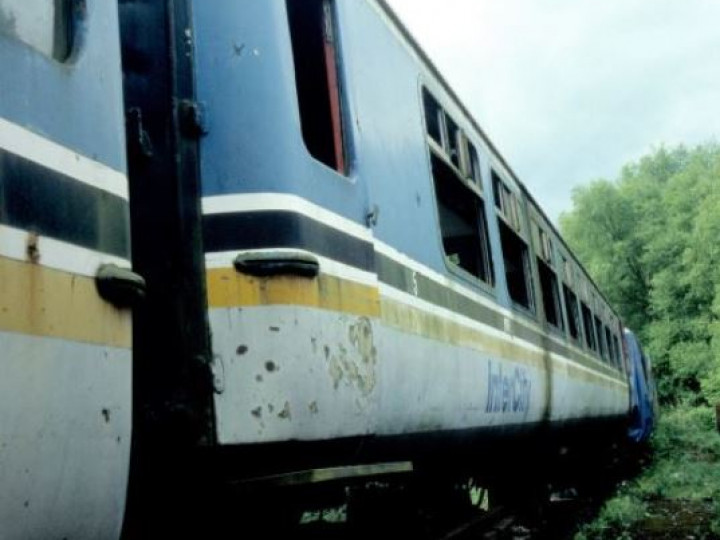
(274, 328)
(356, 365)
(257, 412)
(106, 415)
(242, 349)
(313, 408)
(258, 378)
(285, 414)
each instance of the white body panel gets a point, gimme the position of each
(65, 426)
(290, 372)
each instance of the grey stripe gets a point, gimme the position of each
(403, 278)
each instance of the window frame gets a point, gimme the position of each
(470, 179)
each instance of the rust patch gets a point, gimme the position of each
(242, 349)
(313, 408)
(106, 415)
(271, 367)
(257, 412)
(258, 378)
(274, 328)
(33, 248)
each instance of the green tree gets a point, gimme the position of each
(650, 241)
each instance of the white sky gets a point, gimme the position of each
(571, 90)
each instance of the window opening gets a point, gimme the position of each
(515, 249)
(589, 327)
(571, 306)
(550, 294)
(463, 222)
(618, 354)
(517, 266)
(548, 278)
(44, 25)
(312, 32)
(434, 118)
(611, 349)
(454, 138)
(600, 337)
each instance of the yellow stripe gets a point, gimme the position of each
(228, 288)
(412, 320)
(41, 301)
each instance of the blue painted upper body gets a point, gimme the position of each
(77, 103)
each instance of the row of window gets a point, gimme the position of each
(459, 194)
(464, 230)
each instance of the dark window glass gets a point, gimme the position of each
(550, 294)
(589, 327)
(571, 306)
(600, 337)
(609, 343)
(517, 266)
(316, 75)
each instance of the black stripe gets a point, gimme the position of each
(283, 229)
(49, 203)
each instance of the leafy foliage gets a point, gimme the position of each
(651, 241)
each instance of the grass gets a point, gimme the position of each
(678, 494)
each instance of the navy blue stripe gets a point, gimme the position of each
(283, 229)
(46, 202)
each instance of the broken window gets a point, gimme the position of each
(515, 249)
(44, 25)
(458, 192)
(312, 31)
(463, 223)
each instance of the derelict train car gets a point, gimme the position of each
(340, 268)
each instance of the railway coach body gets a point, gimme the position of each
(65, 352)
(374, 268)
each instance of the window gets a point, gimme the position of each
(434, 118)
(602, 347)
(589, 327)
(571, 306)
(515, 249)
(462, 223)
(312, 33)
(42, 24)
(611, 351)
(548, 278)
(458, 192)
(618, 353)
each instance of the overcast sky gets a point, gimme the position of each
(570, 90)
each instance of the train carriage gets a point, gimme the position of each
(341, 269)
(65, 351)
(374, 266)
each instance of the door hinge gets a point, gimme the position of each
(193, 118)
